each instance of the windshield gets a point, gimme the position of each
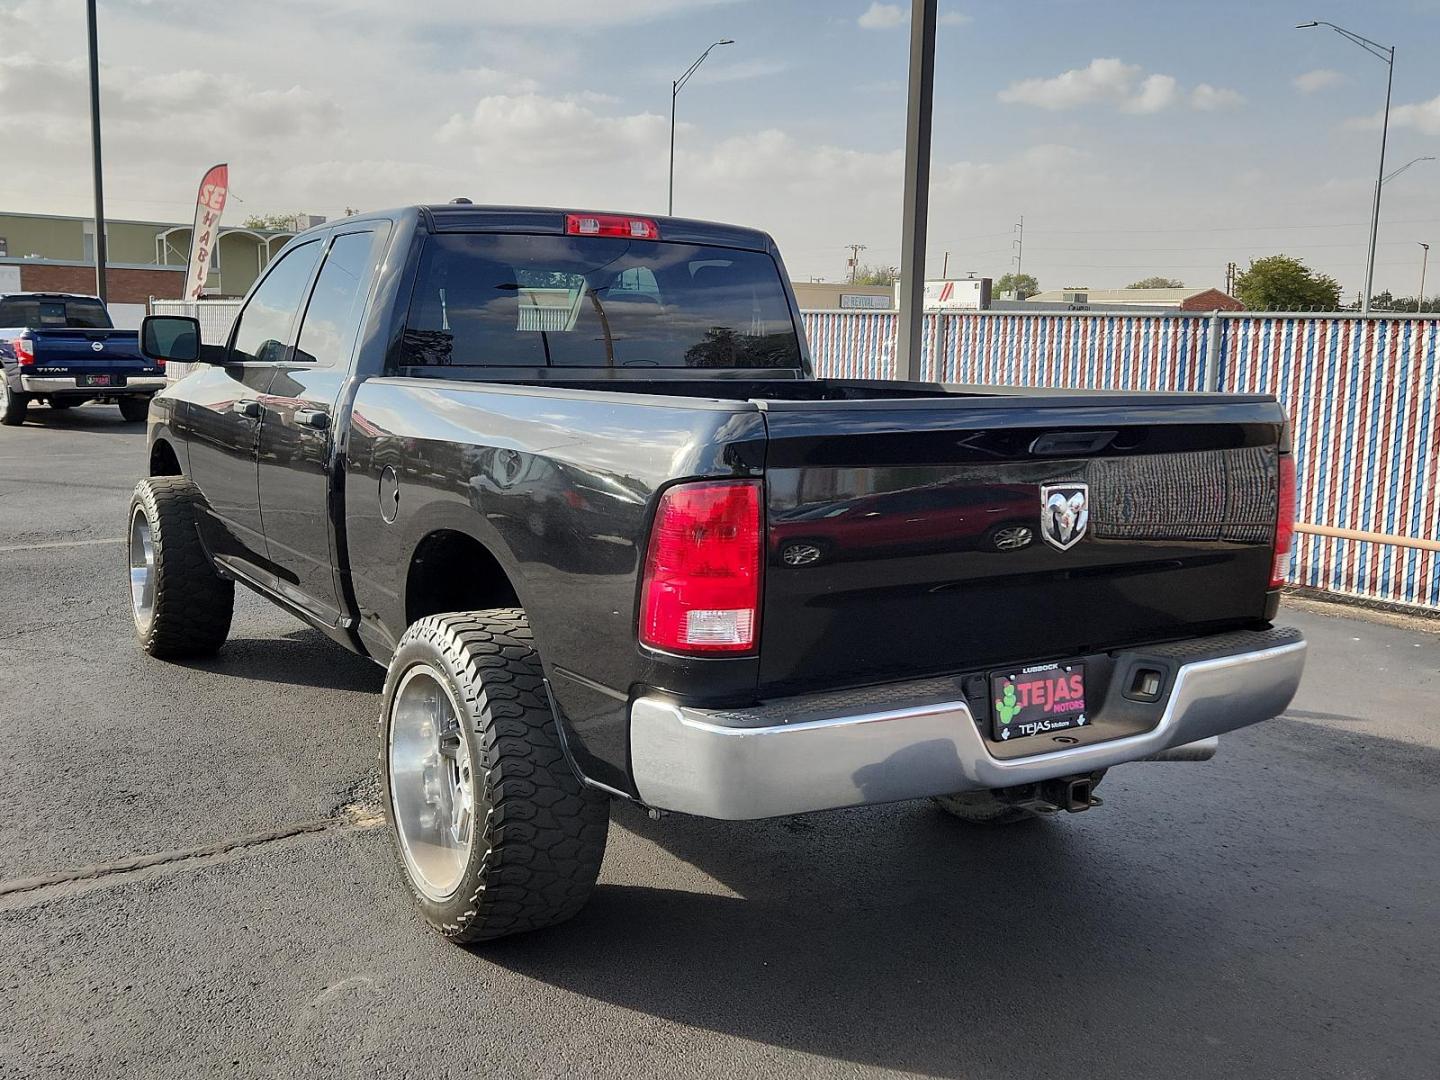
(33, 312)
(568, 301)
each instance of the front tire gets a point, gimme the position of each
(12, 404)
(494, 832)
(181, 606)
(134, 409)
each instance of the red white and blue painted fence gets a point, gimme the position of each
(1362, 395)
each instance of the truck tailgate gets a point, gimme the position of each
(66, 350)
(918, 537)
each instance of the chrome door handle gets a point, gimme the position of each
(318, 419)
(247, 407)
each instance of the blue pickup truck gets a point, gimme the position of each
(63, 349)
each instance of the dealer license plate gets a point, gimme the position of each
(95, 380)
(1037, 700)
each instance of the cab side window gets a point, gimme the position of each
(332, 321)
(263, 331)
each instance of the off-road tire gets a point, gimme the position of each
(539, 833)
(193, 604)
(133, 410)
(982, 808)
(13, 404)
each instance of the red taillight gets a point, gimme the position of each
(24, 350)
(632, 228)
(701, 591)
(1284, 521)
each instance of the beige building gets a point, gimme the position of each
(53, 252)
(837, 296)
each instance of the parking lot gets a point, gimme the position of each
(195, 880)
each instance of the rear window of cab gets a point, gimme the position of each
(508, 300)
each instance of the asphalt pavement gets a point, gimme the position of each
(193, 882)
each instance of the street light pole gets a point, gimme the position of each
(1386, 53)
(675, 87)
(1424, 259)
(95, 152)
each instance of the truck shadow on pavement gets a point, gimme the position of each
(84, 418)
(1208, 923)
(302, 657)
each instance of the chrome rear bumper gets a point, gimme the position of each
(762, 763)
(135, 384)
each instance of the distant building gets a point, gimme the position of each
(1126, 299)
(838, 296)
(56, 253)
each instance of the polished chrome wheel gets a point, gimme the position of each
(432, 786)
(1012, 537)
(142, 568)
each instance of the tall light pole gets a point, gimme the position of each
(675, 87)
(1424, 259)
(1386, 53)
(95, 152)
(915, 206)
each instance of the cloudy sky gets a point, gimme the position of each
(1135, 137)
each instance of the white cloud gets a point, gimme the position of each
(1423, 116)
(1107, 80)
(1102, 79)
(1209, 98)
(880, 16)
(742, 71)
(1156, 94)
(1320, 79)
(883, 16)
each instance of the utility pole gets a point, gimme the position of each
(95, 152)
(1424, 259)
(916, 212)
(1230, 270)
(945, 266)
(855, 250)
(1019, 245)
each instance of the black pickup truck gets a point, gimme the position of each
(62, 349)
(570, 478)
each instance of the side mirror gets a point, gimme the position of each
(170, 337)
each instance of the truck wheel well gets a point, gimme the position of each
(451, 571)
(163, 461)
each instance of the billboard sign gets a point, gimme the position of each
(966, 294)
(209, 205)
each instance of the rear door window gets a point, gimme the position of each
(504, 300)
(332, 321)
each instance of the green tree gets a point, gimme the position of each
(1157, 283)
(876, 275)
(1022, 285)
(271, 222)
(1280, 283)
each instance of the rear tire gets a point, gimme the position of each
(982, 808)
(495, 833)
(12, 404)
(181, 605)
(135, 409)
